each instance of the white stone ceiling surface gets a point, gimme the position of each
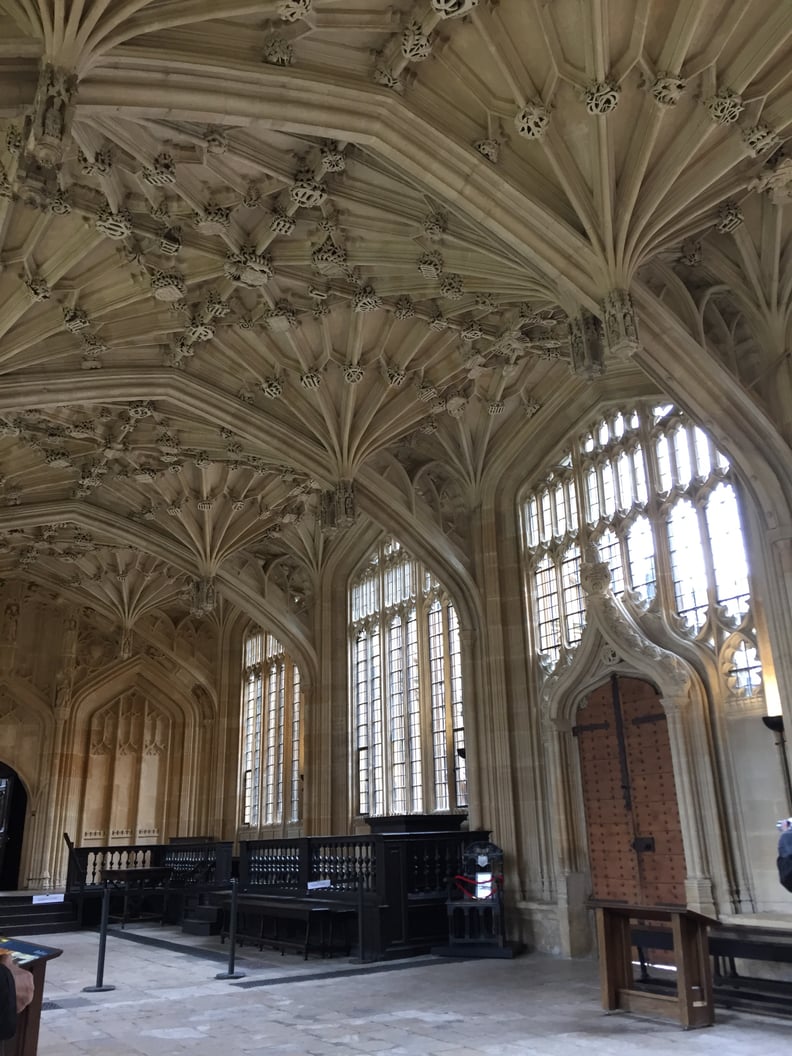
(251, 250)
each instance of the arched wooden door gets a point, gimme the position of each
(635, 844)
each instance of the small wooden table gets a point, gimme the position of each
(692, 1006)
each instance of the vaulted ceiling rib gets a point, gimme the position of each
(252, 253)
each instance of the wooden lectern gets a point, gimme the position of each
(692, 1006)
(33, 958)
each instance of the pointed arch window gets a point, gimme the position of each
(657, 499)
(406, 679)
(270, 792)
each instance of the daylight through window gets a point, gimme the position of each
(406, 679)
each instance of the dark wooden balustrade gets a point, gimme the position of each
(193, 869)
(397, 880)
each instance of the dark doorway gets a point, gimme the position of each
(13, 807)
(635, 843)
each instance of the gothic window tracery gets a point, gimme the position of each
(406, 679)
(651, 491)
(271, 744)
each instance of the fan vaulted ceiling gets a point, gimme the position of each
(266, 265)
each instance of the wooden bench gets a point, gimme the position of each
(727, 944)
(289, 923)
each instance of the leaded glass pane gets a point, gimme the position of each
(641, 558)
(592, 495)
(549, 623)
(571, 491)
(396, 717)
(455, 659)
(560, 510)
(688, 564)
(572, 593)
(745, 671)
(639, 473)
(664, 474)
(547, 516)
(684, 470)
(532, 522)
(608, 489)
(270, 733)
(625, 477)
(729, 559)
(703, 450)
(294, 813)
(404, 731)
(609, 549)
(437, 682)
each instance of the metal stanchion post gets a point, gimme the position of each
(100, 987)
(231, 974)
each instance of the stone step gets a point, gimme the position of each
(41, 928)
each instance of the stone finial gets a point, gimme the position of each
(586, 344)
(452, 286)
(385, 76)
(338, 507)
(366, 299)
(114, 225)
(760, 139)
(248, 268)
(619, 324)
(489, 149)
(691, 253)
(453, 8)
(162, 172)
(294, 10)
(168, 285)
(404, 307)
(415, 44)
(601, 97)
(532, 120)
(730, 216)
(278, 51)
(307, 191)
(53, 112)
(431, 265)
(435, 225)
(725, 106)
(353, 373)
(203, 597)
(282, 223)
(595, 577)
(329, 257)
(667, 88)
(776, 179)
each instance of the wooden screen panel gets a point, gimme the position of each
(614, 866)
(654, 799)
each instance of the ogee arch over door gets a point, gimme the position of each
(636, 852)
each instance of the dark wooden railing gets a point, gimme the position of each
(202, 864)
(190, 863)
(398, 881)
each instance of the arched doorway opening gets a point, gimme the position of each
(636, 851)
(13, 808)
